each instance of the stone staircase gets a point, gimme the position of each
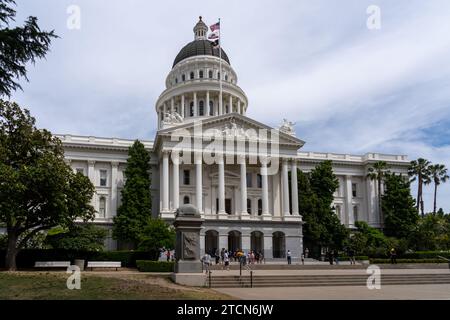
(245, 281)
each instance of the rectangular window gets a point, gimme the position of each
(186, 177)
(102, 207)
(354, 189)
(80, 170)
(249, 180)
(355, 213)
(103, 178)
(259, 181)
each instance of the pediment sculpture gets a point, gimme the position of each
(172, 118)
(288, 127)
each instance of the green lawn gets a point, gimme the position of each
(52, 285)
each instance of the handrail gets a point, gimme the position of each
(209, 282)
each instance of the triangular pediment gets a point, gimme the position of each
(230, 126)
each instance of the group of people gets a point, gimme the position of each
(224, 257)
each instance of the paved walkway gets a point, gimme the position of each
(329, 272)
(391, 292)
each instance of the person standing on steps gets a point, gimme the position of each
(289, 257)
(226, 260)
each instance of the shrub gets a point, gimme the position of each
(27, 257)
(387, 261)
(155, 266)
(359, 258)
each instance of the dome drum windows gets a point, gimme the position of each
(201, 108)
(200, 74)
(191, 76)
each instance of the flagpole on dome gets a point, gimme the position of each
(220, 68)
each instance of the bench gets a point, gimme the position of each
(104, 264)
(52, 264)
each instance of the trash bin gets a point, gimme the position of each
(80, 264)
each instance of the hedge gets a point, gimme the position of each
(155, 266)
(418, 255)
(27, 257)
(388, 261)
(359, 258)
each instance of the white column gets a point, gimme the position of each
(294, 188)
(91, 171)
(221, 185)
(213, 200)
(159, 119)
(237, 210)
(265, 188)
(285, 186)
(348, 200)
(207, 103)
(230, 110)
(113, 206)
(165, 188)
(195, 105)
(198, 182)
(220, 103)
(165, 108)
(91, 176)
(182, 106)
(176, 179)
(172, 105)
(239, 106)
(243, 186)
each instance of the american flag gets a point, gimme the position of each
(214, 35)
(215, 27)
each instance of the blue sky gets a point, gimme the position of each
(350, 89)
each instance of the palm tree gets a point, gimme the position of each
(438, 175)
(418, 169)
(378, 172)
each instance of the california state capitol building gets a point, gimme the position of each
(241, 174)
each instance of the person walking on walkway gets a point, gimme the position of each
(393, 256)
(226, 260)
(351, 256)
(289, 257)
(206, 259)
(222, 252)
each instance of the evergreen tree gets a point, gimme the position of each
(18, 47)
(398, 206)
(136, 208)
(322, 227)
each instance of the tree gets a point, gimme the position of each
(80, 237)
(38, 190)
(378, 172)
(136, 209)
(418, 169)
(19, 46)
(438, 175)
(431, 233)
(156, 235)
(322, 227)
(398, 206)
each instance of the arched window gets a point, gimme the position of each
(192, 76)
(218, 75)
(259, 207)
(176, 80)
(186, 200)
(226, 109)
(102, 207)
(211, 108)
(259, 181)
(201, 108)
(226, 77)
(191, 109)
(210, 74)
(249, 206)
(183, 77)
(200, 74)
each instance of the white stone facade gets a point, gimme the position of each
(248, 201)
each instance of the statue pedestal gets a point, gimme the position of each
(190, 279)
(188, 267)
